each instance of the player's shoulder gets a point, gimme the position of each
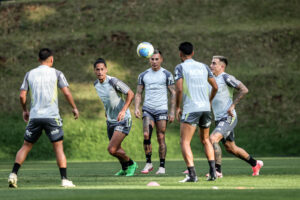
(227, 76)
(166, 72)
(96, 82)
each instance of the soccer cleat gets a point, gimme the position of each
(121, 173)
(148, 168)
(131, 169)
(186, 172)
(211, 178)
(161, 170)
(219, 174)
(189, 179)
(12, 180)
(257, 167)
(66, 183)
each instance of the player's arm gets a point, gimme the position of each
(213, 83)
(179, 92)
(23, 95)
(128, 101)
(172, 91)
(66, 91)
(242, 90)
(138, 100)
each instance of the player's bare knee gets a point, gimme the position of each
(112, 150)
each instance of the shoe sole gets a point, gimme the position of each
(147, 172)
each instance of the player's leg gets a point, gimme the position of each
(209, 152)
(161, 126)
(148, 124)
(204, 124)
(186, 134)
(115, 149)
(232, 148)
(215, 138)
(20, 158)
(32, 134)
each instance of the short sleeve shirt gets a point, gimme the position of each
(156, 88)
(42, 83)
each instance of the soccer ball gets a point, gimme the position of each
(145, 49)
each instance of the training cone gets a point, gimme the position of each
(153, 183)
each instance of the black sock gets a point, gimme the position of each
(212, 167)
(192, 172)
(218, 168)
(251, 161)
(130, 162)
(124, 165)
(162, 163)
(148, 158)
(16, 168)
(63, 173)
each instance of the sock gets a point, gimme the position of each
(16, 168)
(218, 168)
(63, 173)
(130, 162)
(192, 172)
(124, 165)
(148, 158)
(162, 163)
(212, 167)
(251, 161)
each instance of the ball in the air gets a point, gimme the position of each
(145, 49)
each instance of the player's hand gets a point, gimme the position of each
(75, 113)
(137, 113)
(26, 116)
(121, 115)
(230, 110)
(171, 118)
(178, 114)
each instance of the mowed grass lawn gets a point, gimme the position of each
(279, 179)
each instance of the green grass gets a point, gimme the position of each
(279, 179)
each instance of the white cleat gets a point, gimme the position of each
(189, 179)
(161, 170)
(66, 183)
(12, 180)
(148, 168)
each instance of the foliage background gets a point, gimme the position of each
(260, 38)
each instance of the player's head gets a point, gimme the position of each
(156, 59)
(186, 50)
(218, 64)
(100, 69)
(46, 57)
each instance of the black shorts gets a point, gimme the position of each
(52, 127)
(226, 126)
(202, 119)
(122, 126)
(155, 115)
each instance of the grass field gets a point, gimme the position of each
(279, 179)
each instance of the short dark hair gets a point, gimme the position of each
(44, 54)
(222, 59)
(156, 51)
(99, 60)
(186, 48)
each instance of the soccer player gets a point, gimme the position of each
(42, 82)
(111, 91)
(192, 86)
(156, 81)
(226, 117)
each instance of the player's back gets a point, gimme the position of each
(195, 85)
(42, 82)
